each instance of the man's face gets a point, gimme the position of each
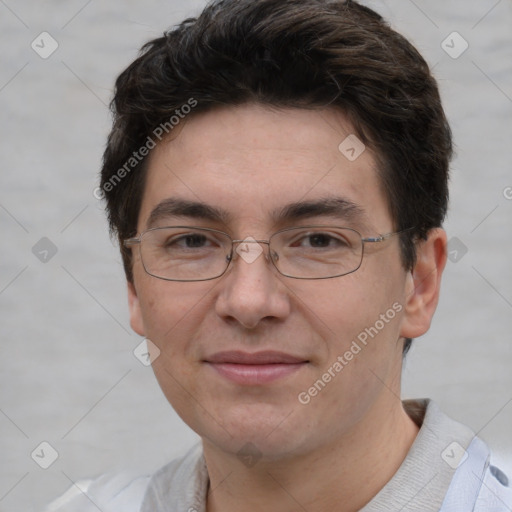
(250, 162)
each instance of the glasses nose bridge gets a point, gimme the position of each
(249, 240)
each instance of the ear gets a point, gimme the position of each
(423, 284)
(136, 321)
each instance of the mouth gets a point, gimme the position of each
(254, 369)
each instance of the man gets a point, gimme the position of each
(277, 178)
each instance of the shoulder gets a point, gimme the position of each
(180, 485)
(496, 491)
(109, 493)
(126, 492)
(464, 472)
(478, 484)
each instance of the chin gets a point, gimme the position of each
(271, 431)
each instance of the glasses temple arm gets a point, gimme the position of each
(130, 242)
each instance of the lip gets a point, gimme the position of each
(254, 369)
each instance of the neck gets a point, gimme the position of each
(343, 475)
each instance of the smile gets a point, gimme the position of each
(255, 369)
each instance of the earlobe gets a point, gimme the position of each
(423, 284)
(136, 321)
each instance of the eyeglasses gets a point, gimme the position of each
(185, 253)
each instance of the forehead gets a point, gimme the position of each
(250, 161)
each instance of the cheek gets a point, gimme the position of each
(360, 364)
(172, 313)
(351, 310)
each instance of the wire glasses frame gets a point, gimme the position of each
(162, 256)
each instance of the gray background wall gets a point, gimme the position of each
(68, 374)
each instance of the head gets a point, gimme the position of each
(244, 109)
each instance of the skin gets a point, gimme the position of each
(341, 448)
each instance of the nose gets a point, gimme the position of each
(252, 290)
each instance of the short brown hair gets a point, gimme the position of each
(290, 53)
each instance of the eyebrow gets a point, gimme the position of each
(338, 207)
(172, 207)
